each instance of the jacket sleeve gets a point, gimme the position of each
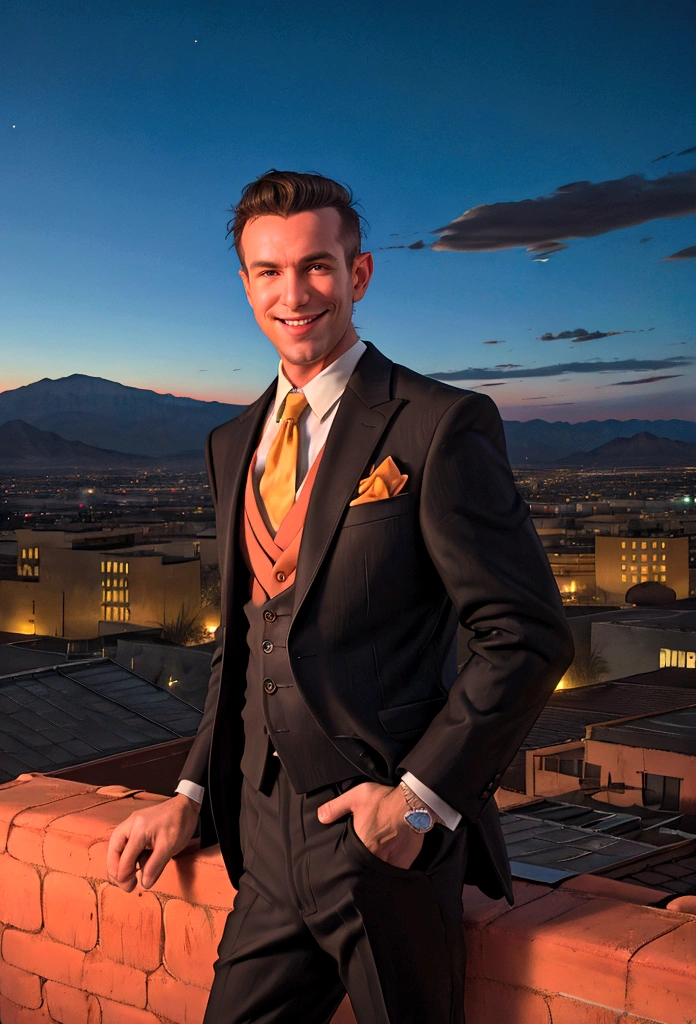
(196, 765)
(480, 537)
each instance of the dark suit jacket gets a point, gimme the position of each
(379, 591)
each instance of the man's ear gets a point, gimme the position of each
(245, 281)
(363, 268)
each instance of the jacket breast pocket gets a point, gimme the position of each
(374, 511)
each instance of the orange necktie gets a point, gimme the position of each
(277, 486)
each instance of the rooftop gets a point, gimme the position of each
(673, 730)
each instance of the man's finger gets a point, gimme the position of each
(127, 865)
(117, 845)
(334, 809)
(154, 864)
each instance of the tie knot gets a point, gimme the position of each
(295, 404)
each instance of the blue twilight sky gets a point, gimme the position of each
(129, 128)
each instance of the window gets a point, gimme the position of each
(643, 558)
(634, 579)
(623, 543)
(120, 566)
(103, 568)
(571, 764)
(663, 544)
(36, 570)
(656, 578)
(126, 567)
(654, 544)
(592, 771)
(664, 558)
(633, 545)
(623, 577)
(661, 792)
(643, 544)
(663, 578)
(654, 558)
(108, 566)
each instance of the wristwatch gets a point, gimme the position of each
(417, 817)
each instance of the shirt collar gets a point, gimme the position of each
(323, 391)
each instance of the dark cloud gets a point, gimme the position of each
(495, 343)
(691, 149)
(663, 157)
(420, 244)
(541, 253)
(648, 238)
(535, 398)
(495, 384)
(683, 254)
(643, 380)
(579, 210)
(508, 366)
(580, 334)
(588, 366)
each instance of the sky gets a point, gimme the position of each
(128, 130)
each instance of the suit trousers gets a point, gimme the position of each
(317, 914)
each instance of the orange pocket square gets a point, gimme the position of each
(384, 482)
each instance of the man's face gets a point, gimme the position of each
(298, 284)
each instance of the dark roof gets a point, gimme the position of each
(672, 677)
(77, 712)
(673, 730)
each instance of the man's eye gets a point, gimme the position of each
(318, 266)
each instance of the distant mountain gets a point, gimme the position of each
(108, 415)
(540, 443)
(642, 451)
(24, 448)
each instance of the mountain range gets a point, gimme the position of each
(119, 419)
(642, 451)
(25, 448)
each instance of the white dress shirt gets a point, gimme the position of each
(323, 394)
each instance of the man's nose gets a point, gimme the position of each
(295, 291)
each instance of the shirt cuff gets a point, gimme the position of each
(450, 817)
(196, 793)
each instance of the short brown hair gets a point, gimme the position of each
(284, 193)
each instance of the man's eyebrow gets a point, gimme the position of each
(312, 258)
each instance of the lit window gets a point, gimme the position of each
(663, 557)
(108, 566)
(633, 545)
(634, 579)
(655, 577)
(103, 568)
(623, 543)
(127, 614)
(103, 595)
(623, 577)
(663, 579)
(643, 558)
(662, 544)
(125, 584)
(120, 566)
(108, 595)
(654, 558)
(643, 544)
(654, 543)
(120, 583)
(24, 552)
(127, 567)
(644, 570)
(120, 596)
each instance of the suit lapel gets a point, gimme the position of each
(364, 413)
(236, 465)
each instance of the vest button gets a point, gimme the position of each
(269, 686)
(268, 646)
(281, 577)
(270, 616)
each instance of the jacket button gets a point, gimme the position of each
(269, 686)
(270, 616)
(281, 577)
(268, 646)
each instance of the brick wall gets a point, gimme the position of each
(76, 950)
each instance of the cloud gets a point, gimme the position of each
(579, 210)
(648, 238)
(691, 149)
(495, 343)
(420, 244)
(683, 254)
(508, 366)
(580, 334)
(588, 366)
(495, 384)
(535, 398)
(643, 380)
(663, 157)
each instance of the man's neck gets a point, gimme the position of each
(301, 375)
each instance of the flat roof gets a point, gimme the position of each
(78, 712)
(674, 731)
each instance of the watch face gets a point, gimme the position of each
(420, 820)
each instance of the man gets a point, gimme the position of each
(363, 511)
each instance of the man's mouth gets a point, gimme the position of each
(300, 322)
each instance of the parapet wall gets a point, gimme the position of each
(76, 950)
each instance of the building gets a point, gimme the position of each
(621, 562)
(660, 638)
(79, 583)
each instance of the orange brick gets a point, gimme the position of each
(11, 1013)
(583, 952)
(68, 840)
(344, 1014)
(96, 861)
(490, 1002)
(116, 981)
(661, 979)
(565, 1010)
(43, 956)
(191, 938)
(480, 910)
(26, 837)
(117, 1013)
(70, 910)
(32, 791)
(20, 986)
(130, 925)
(20, 894)
(613, 889)
(198, 876)
(71, 1005)
(167, 997)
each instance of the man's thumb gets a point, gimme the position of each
(332, 810)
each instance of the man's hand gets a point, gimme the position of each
(378, 819)
(165, 830)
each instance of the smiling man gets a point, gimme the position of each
(344, 761)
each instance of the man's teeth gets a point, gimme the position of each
(301, 323)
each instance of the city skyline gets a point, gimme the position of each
(129, 133)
